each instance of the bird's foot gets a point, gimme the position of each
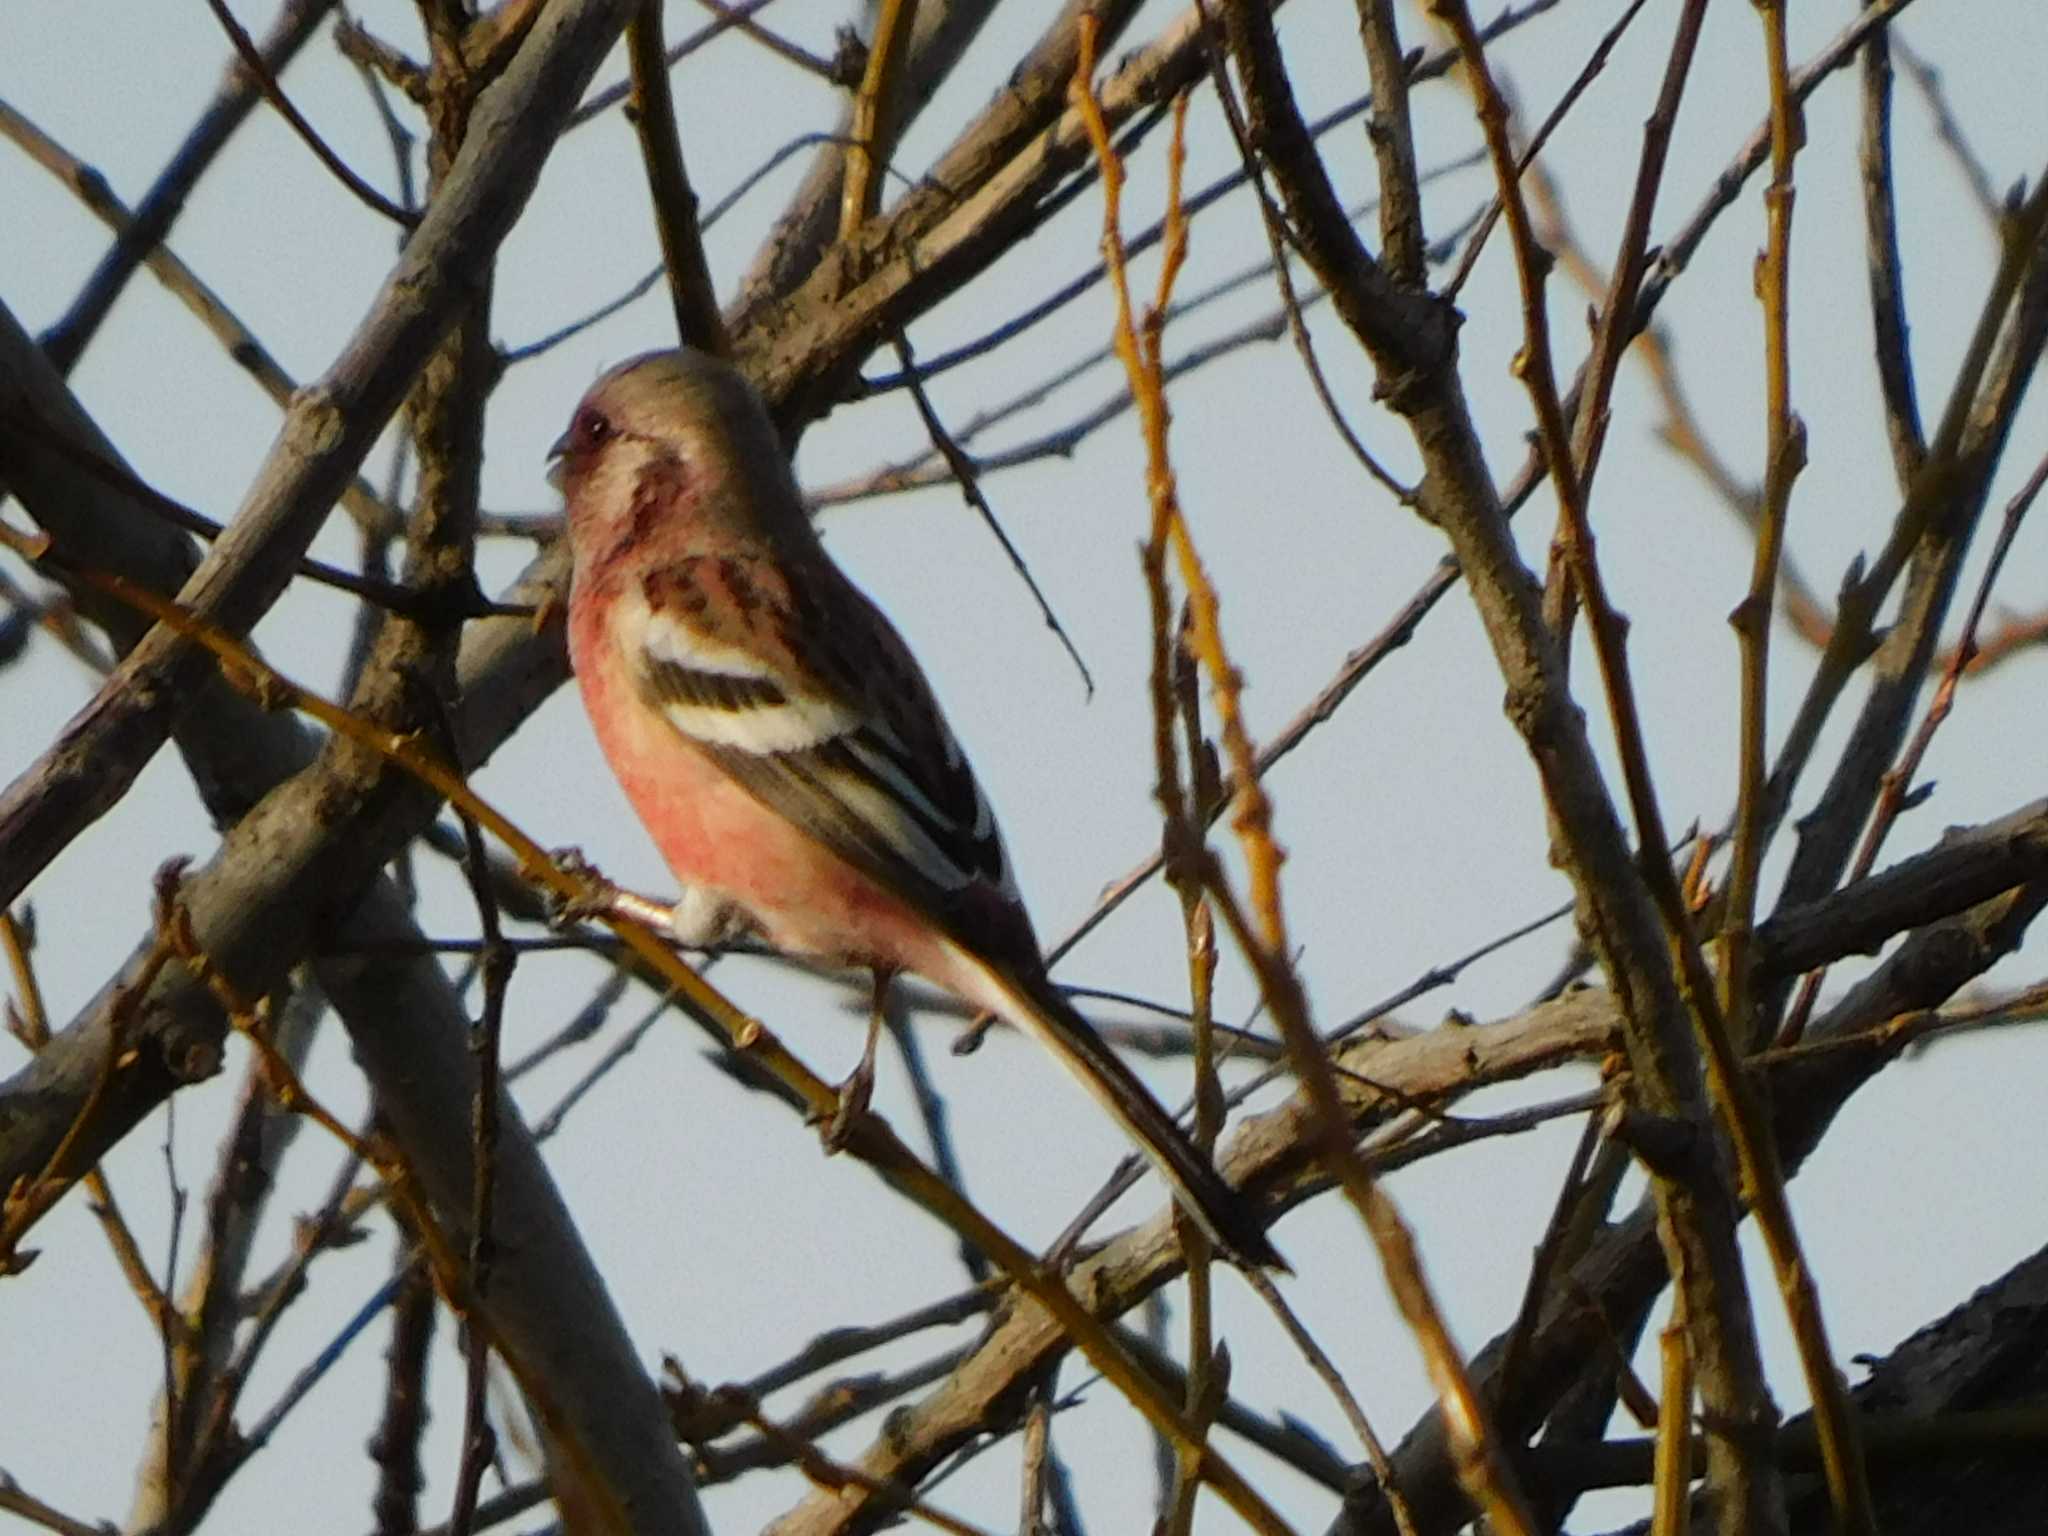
(601, 899)
(592, 902)
(855, 1094)
(858, 1090)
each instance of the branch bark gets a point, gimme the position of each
(325, 435)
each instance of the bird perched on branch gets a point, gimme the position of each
(780, 742)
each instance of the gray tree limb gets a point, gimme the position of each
(325, 434)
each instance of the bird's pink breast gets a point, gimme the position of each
(714, 836)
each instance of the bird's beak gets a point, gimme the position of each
(556, 467)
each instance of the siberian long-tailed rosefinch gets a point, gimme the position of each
(781, 744)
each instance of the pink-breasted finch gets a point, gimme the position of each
(781, 744)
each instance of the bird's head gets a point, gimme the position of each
(675, 450)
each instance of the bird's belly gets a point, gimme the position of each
(715, 837)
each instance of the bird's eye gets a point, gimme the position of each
(592, 429)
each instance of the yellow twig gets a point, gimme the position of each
(1672, 1475)
(35, 1033)
(1834, 1416)
(877, 115)
(1785, 456)
(22, 1206)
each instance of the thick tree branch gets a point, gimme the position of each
(328, 430)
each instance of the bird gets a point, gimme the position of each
(781, 744)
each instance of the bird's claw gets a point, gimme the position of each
(859, 1088)
(597, 897)
(855, 1094)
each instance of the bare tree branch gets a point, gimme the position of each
(329, 428)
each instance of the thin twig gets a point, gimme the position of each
(495, 964)
(1595, 63)
(1283, 277)
(1672, 1503)
(877, 115)
(970, 488)
(1681, 430)
(1894, 354)
(838, 1345)
(1613, 330)
(931, 1109)
(22, 1206)
(548, 1124)
(395, 1446)
(740, 17)
(1896, 791)
(728, 17)
(1187, 812)
(245, 1443)
(170, 1334)
(527, 351)
(1784, 458)
(32, 1025)
(1325, 1370)
(1567, 1229)
(336, 1224)
(653, 112)
(18, 1501)
(259, 67)
(1618, 304)
(243, 347)
(1949, 132)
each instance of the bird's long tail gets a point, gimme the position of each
(1035, 1005)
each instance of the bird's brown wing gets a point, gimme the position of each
(790, 680)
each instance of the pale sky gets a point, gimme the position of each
(1412, 819)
